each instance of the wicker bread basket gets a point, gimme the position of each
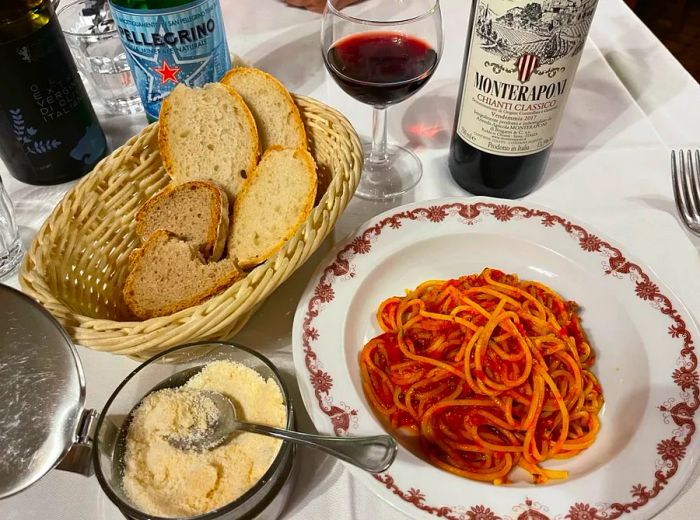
(77, 263)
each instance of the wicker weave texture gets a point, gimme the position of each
(77, 263)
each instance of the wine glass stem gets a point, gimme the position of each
(378, 154)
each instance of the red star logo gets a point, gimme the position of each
(167, 73)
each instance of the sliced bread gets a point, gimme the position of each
(208, 133)
(167, 275)
(273, 204)
(276, 115)
(195, 211)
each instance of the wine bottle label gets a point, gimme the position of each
(522, 58)
(48, 129)
(183, 44)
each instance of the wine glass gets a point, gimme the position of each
(382, 52)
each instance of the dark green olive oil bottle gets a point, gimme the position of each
(48, 129)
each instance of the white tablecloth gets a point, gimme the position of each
(631, 103)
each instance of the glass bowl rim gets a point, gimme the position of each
(278, 462)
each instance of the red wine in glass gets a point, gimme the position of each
(381, 52)
(381, 68)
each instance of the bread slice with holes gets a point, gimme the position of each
(273, 204)
(276, 114)
(195, 211)
(208, 133)
(167, 275)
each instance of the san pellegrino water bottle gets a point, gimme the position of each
(48, 129)
(519, 68)
(169, 42)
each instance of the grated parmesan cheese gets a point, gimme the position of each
(162, 480)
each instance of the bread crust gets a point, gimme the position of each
(298, 123)
(303, 155)
(253, 128)
(163, 132)
(218, 225)
(138, 256)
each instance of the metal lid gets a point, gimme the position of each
(42, 391)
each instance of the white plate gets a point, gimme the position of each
(642, 335)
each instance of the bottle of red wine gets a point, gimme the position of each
(48, 130)
(519, 67)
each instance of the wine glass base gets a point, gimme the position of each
(399, 172)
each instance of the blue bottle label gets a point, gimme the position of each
(183, 44)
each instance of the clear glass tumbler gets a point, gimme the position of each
(11, 250)
(94, 42)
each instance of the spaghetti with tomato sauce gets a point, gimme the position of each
(488, 371)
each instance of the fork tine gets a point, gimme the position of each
(691, 205)
(692, 181)
(679, 188)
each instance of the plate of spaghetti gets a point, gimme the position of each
(487, 372)
(528, 367)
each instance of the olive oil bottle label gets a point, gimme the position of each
(48, 129)
(522, 58)
(183, 44)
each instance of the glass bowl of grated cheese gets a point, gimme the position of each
(147, 478)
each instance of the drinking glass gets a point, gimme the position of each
(381, 52)
(10, 244)
(97, 50)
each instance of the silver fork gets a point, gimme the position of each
(686, 187)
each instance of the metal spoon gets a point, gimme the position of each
(373, 454)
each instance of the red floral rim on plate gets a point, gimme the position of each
(670, 451)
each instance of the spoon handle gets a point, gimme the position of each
(374, 454)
